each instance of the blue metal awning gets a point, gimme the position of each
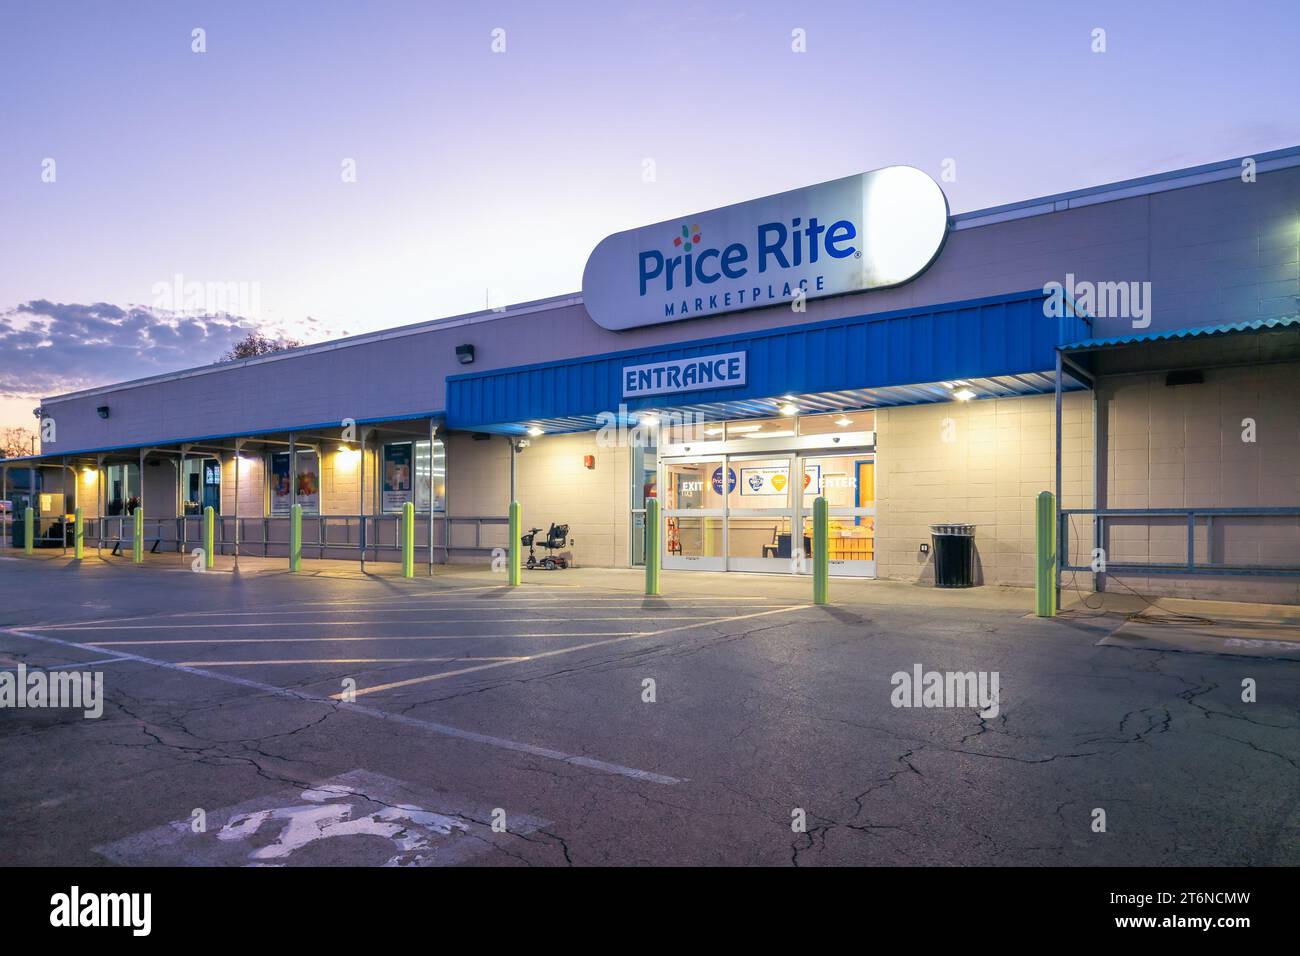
(1000, 345)
(1171, 335)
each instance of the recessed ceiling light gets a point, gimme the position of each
(534, 431)
(789, 409)
(963, 394)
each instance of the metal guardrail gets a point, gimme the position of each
(1191, 516)
(268, 536)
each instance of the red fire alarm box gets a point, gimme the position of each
(589, 461)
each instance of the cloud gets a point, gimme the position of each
(47, 348)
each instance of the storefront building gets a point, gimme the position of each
(1133, 347)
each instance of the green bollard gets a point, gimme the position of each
(408, 540)
(295, 538)
(209, 538)
(652, 546)
(29, 530)
(821, 551)
(1045, 555)
(78, 535)
(512, 567)
(137, 544)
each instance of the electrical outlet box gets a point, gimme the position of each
(925, 548)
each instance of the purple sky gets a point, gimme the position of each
(479, 171)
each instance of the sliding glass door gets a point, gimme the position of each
(741, 512)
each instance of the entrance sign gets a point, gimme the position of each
(868, 231)
(684, 375)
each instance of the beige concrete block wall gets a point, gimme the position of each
(252, 485)
(554, 486)
(981, 462)
(1182, 447)
(478, 486)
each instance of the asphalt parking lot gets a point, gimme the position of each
(262, 718)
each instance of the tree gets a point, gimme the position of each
(16, 442)
(257, 343)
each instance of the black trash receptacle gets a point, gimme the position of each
(954, 555)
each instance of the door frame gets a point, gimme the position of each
(679, 562)
(725, 454)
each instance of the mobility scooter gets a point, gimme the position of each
(555, 538)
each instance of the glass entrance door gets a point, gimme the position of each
(760, 514)
(848, 483)
(694, 502)
(745, 513)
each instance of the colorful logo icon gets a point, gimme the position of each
(690, 237)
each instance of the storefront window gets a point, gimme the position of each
(644, 471)
(693, 537)
(778, 427)
(201, 485)
(835, 422)
(680, 433)
(846, 481)
(644, 479)
(760, 483)
(306, 476)
(408, 474)
(121, 488)
(695, 485)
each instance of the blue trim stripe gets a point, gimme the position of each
(151, 443)
(977, 338)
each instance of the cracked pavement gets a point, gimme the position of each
(754, 717)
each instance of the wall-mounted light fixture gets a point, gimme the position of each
(465, 354)
(102, 411)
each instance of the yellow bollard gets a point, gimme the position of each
(408, 540)
(652, 546)
(209, 537)
(515, 544)
(821, 551)
(137, 543)
(295, 537)
(78, 535)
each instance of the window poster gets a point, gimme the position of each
(308, 483)
(398, 476)
(281, 491)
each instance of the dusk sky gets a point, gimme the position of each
(477, 170)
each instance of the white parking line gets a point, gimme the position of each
(564, 650)
(67, 667)
(308, 640)
(332, 623)
(346, 660)
(503, 743)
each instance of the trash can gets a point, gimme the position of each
(954, 555)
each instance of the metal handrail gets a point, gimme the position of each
(382, 532)
(1191, 565)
